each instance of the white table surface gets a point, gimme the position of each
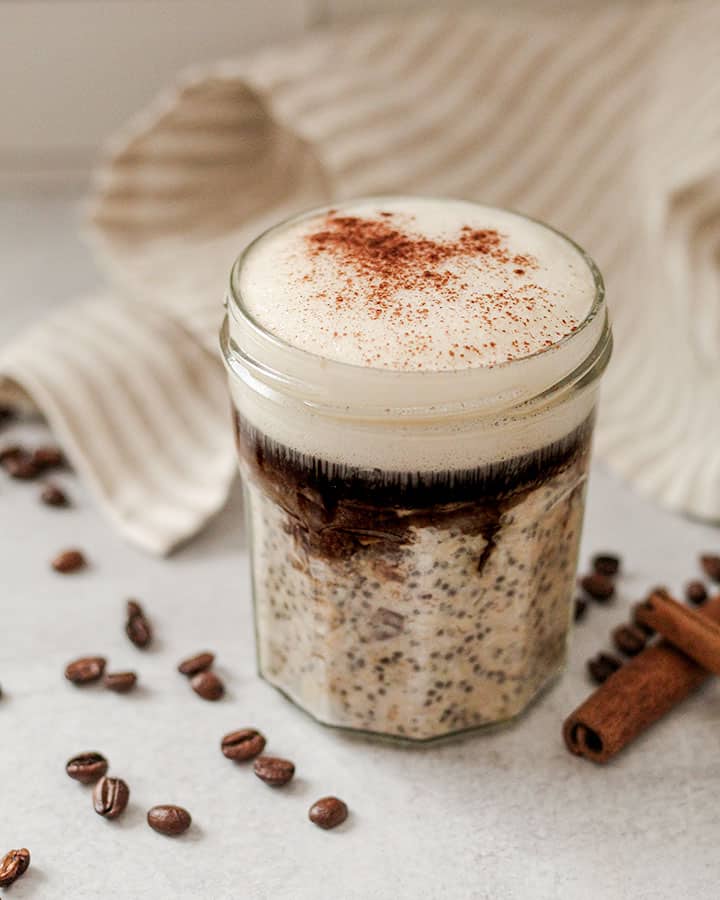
(501, 816)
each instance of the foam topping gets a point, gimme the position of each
(417, 283)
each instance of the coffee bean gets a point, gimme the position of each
(696, 593)
(69, 561)
(52, 495)
(169, 820)
(87, 767)
(137, 626)
(11, 450)
(85, 670)
(21, 466)
(110, 797)
(120, 682)
(599, 587)
(273, 771)
(602, 667)
(243, 744)
(48, 457)
(207, 685)
(646, 629)
(711, 566)
(13, 865)
(196, 664)
(329, 812)
(629, 639)
(580, 609)
(606, 564)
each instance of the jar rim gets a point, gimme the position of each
(257, 345)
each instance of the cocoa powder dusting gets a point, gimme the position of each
(389, 261)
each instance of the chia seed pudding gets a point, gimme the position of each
(414, 513)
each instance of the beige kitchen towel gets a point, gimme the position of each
(604, 123)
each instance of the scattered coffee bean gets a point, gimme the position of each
(7, 414)
(48, 457)
(273, 771)
(602, 667)
(137, 626)
(196, 664)
(110, 797)
(629, 639)
(13, 865)
(120, 682)
(647, 629)
(606, 564)
(69, 561)
(329, 812)
(696, 593)
(599, 587)
(21, 466)
(243, 744)
(52, 495)
(580, 609)
(169, 820)
(85, 670)
(207, 685)
(87, 767)
(11, 450)
(711, 566)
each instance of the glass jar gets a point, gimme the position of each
(412, 601)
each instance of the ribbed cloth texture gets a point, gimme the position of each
(605, 124)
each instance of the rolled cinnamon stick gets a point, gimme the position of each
(634, 697)
(690, 631)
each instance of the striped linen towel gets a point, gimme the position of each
(604, 123)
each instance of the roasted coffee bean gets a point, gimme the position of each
(137, 626)
(696, 593)
(13, 865)
(21, 466)
(110, 797)
(196, 664)
(629, 639)
(87, 767)
(52, 495)
(207, 685)
(329, 812)
(599, 587)
(11, 450)
(120, 682)
(7, 414)
(580, 609)
(273, 771)
(711, 566)
(85, 670)
(169, 820)
(48, 457)
(69, 561)
(606, 564)
(602, 667)
(243, 744)
(646, 629)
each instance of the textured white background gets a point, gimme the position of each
(507, 816)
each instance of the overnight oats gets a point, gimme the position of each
(414, 383)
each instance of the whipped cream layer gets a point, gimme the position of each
(417, 284)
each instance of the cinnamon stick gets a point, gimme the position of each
(688, 630)
(634, 697)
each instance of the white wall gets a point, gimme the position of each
(72, 70)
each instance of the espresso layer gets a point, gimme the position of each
(337, 509)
